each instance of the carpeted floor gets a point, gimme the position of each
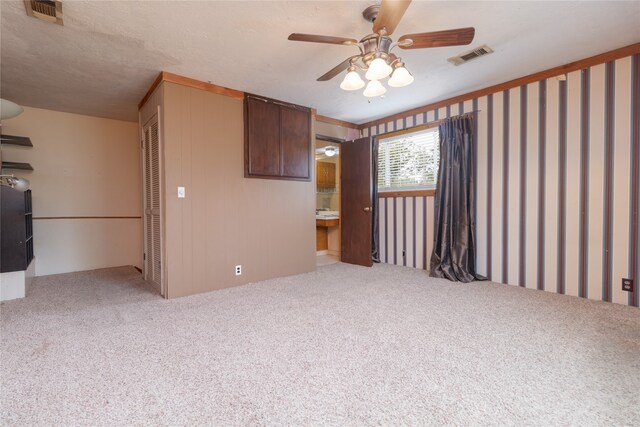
(345, 345)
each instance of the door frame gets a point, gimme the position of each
(334, 140)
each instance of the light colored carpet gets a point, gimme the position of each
(322, 260)
(345, 345)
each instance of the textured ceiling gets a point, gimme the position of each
(107, 54)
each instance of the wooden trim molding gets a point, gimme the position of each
(326, 138)
(531, 78)
(87, 217)
(165, 76)
(197, 84)
(406, 193)
(331, 121)
(153, 87)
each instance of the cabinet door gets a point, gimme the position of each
(296, 143)
(321, 174)
(331, 175)
(13, 233)
(262, 138)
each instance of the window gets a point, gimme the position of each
(409, 161)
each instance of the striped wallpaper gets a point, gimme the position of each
(558, 185)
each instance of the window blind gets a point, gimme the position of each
(409, 161)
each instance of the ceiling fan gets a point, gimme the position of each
(375, 57)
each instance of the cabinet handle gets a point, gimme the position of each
(367, 209)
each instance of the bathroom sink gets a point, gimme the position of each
(327, 217)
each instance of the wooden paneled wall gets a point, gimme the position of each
(558, 186)
(267, 226)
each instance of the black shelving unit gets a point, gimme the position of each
(17, 166)
(16, 228)
(22, 141)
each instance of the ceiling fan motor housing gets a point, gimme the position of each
(375, 45)
(371, 13)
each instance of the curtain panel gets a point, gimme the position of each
(454, 250)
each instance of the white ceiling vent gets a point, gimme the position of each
(46, 10)
(471, 54)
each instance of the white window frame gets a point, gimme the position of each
(395, 136)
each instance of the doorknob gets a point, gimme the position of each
(367, 209)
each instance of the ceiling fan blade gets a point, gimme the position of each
(337, 69)
(390, 14)
(457, 37)
(321, 39)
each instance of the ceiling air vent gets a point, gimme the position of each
(46, 10)
(469, 55)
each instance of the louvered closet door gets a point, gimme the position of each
(153, 222)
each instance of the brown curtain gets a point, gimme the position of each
(375, 232)
(454, 250)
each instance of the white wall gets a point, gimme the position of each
(83, 167)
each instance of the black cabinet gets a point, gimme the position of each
(277, 139)
(16, 230)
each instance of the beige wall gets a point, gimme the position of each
(267, 226)
(83, 166)
(328, 129)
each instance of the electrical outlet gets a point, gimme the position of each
(238, 270)
(181, 193)
(627, 285)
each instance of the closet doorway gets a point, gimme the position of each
(152, 196)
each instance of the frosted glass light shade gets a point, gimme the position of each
(352, 81)
(21, 184)
(18, 184)
(9, 109)
(378, 69)
(374, 88)
(401, 77)
(330, 151)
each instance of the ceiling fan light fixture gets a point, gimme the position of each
(401, 77)
(18, 184)
(352, 81)
(9, 109)
(378, 69)
(374, 88)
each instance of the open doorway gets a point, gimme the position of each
(327, 163)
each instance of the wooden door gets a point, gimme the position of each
(153, 247)
(356, 194)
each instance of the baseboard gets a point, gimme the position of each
(325, 252)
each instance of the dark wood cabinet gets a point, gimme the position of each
(325, 175)
(277, 139)
(16, 230)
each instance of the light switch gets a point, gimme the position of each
(181, 193)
